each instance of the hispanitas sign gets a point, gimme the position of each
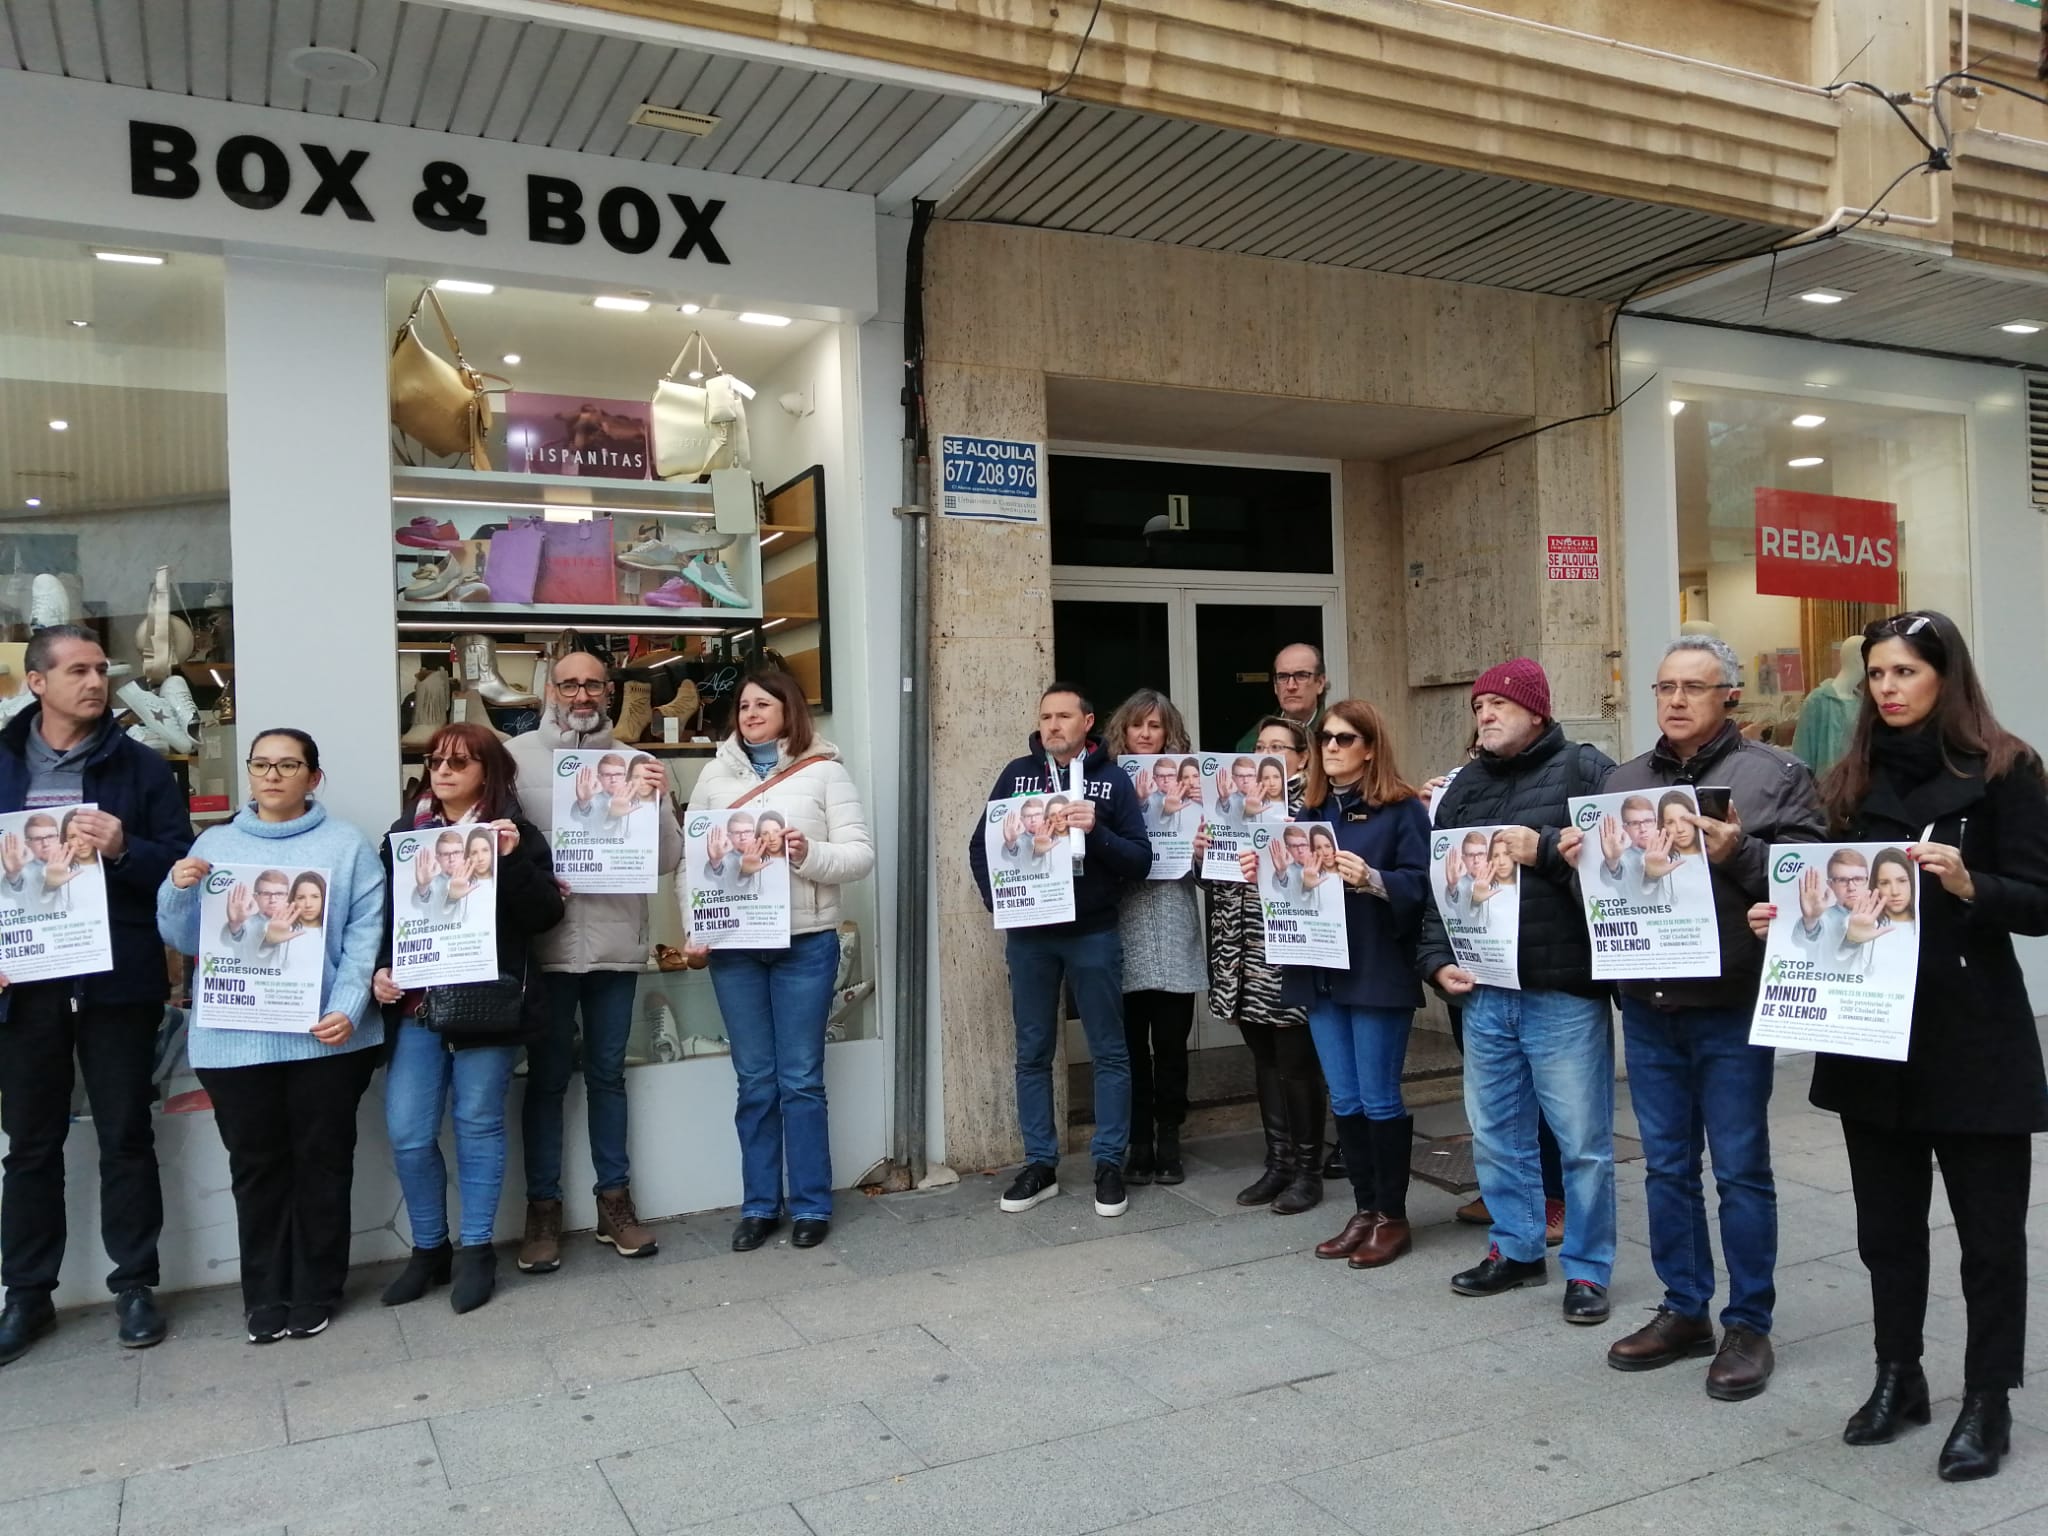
(1838, 548)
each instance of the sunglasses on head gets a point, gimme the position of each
(1339, 738)
(1899, 624)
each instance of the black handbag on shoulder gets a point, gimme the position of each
(472, 1010)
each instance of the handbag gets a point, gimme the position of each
(774, 779)
(698, 429)
(471, 1010)
(578, 565)
(512, 563)
(442, 406)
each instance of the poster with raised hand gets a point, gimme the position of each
(262, 948)
(1648, 896)
(1030, 860)
(1169, 790)
(607, 820)
(1301, 899)
(53, 897)
(1241, 790)
(444, 906)
(736, 877)
(1478, 891)
(1843, 953)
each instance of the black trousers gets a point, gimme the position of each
(1290, 1051)
(115, 1050)
(1156, 1029)
(290, 1131)
(1987, 1180)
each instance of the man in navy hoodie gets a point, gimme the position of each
(1087, 952)
(63, 751)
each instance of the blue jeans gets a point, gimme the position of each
(606, 1001)
(774, 1002)
(416, 1090)
(1556, 1050)
(1362, 1051)
(1093, 963)
(1697, 1083)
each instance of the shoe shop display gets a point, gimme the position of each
(666, 1038)
(430, 697)
(49, 603)
(636, 713)
(468, 705)
(674, 593)
(480, 666)
(176, 695)
(159, 722)
(668, 550)
(426, 533)
(163, 638)
(714, 580)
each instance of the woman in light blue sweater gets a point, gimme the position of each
(285, 1102)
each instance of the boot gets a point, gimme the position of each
(1899, 1395)
(470, 703)
(1354, 1141)
(1306, 1104)
(540, 1251)
(475, 1275)
(430, 697)
(1279, 1148)
(480, 666)
(1391, 1142)
(426, 1268)
(636, 712)
(685, 708)
(1982, 1434)
(1139, 1168)
(1166, 1156)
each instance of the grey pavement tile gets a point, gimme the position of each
(341, 1402)
(775, 1520)
(1292, 1285)
(1899, 1478)
(138, 1440)
(1239, 1149)
(212, 1351)
(973, 1192)
(1074, 1221)
(1449, 1392)
(1819, 1297)
(652, 1346)
(981, 1413)
(2033, 1523)
(89, 1511)
(1048, 1327)
(557, 1499)
(1758, 1499)
(852, 1370)
(1270, 1511)
(1257, 1234)
(778, 1270)
(35, 1391)
(726, 1473)
(1040, 1491)
(879, 1249)
(1215, 1190)
(571, 1425)
(1822, 1167)
(523, 1309)
(280, 1485)
(1186, 1368)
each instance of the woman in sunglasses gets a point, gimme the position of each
(1360, 1016)
(461, 1041)
(1929, 767)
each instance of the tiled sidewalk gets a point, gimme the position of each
(939, 1367)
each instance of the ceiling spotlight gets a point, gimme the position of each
(624, 306)
(689, 309)
(756, 317)
(511, 359)
(131, 258)
(1677, 406)
(1805, 463)
(60, 426)
(33, 501)
(1826, 295)
(1808, 420)
(696, 374)
(81, 324)
(2023, 327)
(463, 285)
(330, 66)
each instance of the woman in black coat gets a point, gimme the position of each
(1930, 767)
(454, 1047)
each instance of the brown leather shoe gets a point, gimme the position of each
(1474, 1212)
(1553, 1223)
(1386, 1243)
(1345, 1243)
(1665, 1339)
(540, 1251)
(619, 1225)
(1742, 1368)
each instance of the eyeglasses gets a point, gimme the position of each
(283, 768)
(452, 764)
(1688, 689)
(1295, 679)
(593, 688)
(1339, 738)
(1899, 624)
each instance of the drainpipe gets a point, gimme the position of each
(913, 834)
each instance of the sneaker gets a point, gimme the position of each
(425, 533)
(49, 603)
(673, 593)
(666, 552)
(1110, 1199)
(665, 1039)
(1553, 1223)
(713, 580)
(434, 583)
(1035, 1185)
(269, 1324)
(156, 716)
(308, 1322)
(176, 695)
(619, 1225)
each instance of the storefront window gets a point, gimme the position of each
(1800, 519)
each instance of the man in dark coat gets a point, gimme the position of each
(1550, 1043)
(1692, 1071)
(1086, 952)
(66, 750)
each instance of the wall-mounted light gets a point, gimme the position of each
(1809, 462)
(624, 306)
(1808, 420)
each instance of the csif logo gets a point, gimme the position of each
(407, 847)
(1260, 838)
(995, 815)
(1589, 817)
(699, 825)
(1787, 868)
(1131, 765)
(218, 881)
(568, 767)
(1209, 766)
(1443, 846)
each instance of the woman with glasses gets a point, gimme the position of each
(1929, 767)
(1360, 1015)
(1244, 987)
(286, 1103)
(461, 1041)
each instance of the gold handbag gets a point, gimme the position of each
(443, 407)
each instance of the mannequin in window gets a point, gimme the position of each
(1829, 714)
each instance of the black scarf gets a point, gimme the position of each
(1905, 759)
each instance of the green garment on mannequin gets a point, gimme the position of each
(1825, 723)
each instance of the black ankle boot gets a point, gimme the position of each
(476, 1277)
(426, 1268)
(1306, 1105)
(1139, 1166)
(1983, 1433)
(1166, 1157)
(1900, 1396)
(1279, 1148)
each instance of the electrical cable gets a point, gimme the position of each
(1996, 85)
(1087, 32)
(1898, 111)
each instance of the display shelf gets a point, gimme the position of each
(463, 618)
(651, 748)
(779, 538)
(500, 489)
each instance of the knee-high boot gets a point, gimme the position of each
(1279, 1149)
(1305, 1105)
(1391, 1145)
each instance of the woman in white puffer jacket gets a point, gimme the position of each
(775, 1001)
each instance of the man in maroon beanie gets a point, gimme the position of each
(1547, 1044)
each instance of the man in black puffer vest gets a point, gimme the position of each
(1550, 1043)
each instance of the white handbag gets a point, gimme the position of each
(698, 428)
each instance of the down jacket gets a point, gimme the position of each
(597, 932)
(1529, 789)
(820, 802)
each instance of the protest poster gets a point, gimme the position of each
(1030, 860)
(1301, 899)
(1643, 878)
(736, 873)
(1843, 953)
(607, 821)
(444, 906)
(1242, 790)
(1170, 797)
(53, 897)
(1478, 893)
(262, 948)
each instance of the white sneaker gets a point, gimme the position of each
(661, 1020)
(666, 554)
(156, 717)
(176, 696)
(49, 603)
